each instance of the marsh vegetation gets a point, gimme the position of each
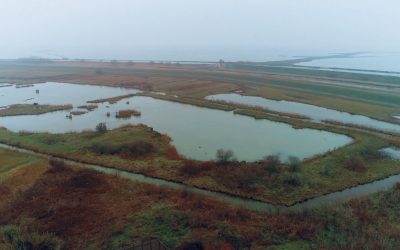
(32, 109)
(127, 113)
(176, 217)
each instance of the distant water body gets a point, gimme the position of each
(369, 61)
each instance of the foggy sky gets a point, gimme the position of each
(196, 29)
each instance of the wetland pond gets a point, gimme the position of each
(196, 132)
(311, 111)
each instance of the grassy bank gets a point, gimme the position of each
(112, 100)
(32, 109)
(60, 206)
(139, 149)
(88, 107)
(192, 101)
(297, 121)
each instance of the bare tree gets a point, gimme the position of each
(272, 163)
(101, 127)
(294, 163)
(225, 156)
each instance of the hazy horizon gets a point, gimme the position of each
(196, 30)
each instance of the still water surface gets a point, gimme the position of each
(367, 61)
(196, 132)
(311, 111)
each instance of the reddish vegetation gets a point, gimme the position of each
(192, 168)
(356, 164)
(242, 178)
(63, 202)
(172, 153)
(86, 207)
(127, 113)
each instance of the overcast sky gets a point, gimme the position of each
(196, 29)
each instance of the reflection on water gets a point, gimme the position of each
(314, 112)
(58, 94)
(196, 132)
(393, 153)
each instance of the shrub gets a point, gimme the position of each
(56, 163)
(139, 148)
(292, 180)
(25, 237)
(101, 127)
(371, 154)
(225, 156)
(102, 149)
(9, 233)
(294, 164)
(84, 180)
(271, 163)
(207, 165)
(190, 168)
(356, 164)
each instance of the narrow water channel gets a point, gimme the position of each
(333, 198)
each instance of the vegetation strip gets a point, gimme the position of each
(32, 109)
(225, 197)
(112, 100)
(188, 100)
(297, 121)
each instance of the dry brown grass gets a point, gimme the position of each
(89, 107)
(127, 113)
(84, 208)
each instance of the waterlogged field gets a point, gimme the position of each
(196, 132)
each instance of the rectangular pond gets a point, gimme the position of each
(196, 132)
